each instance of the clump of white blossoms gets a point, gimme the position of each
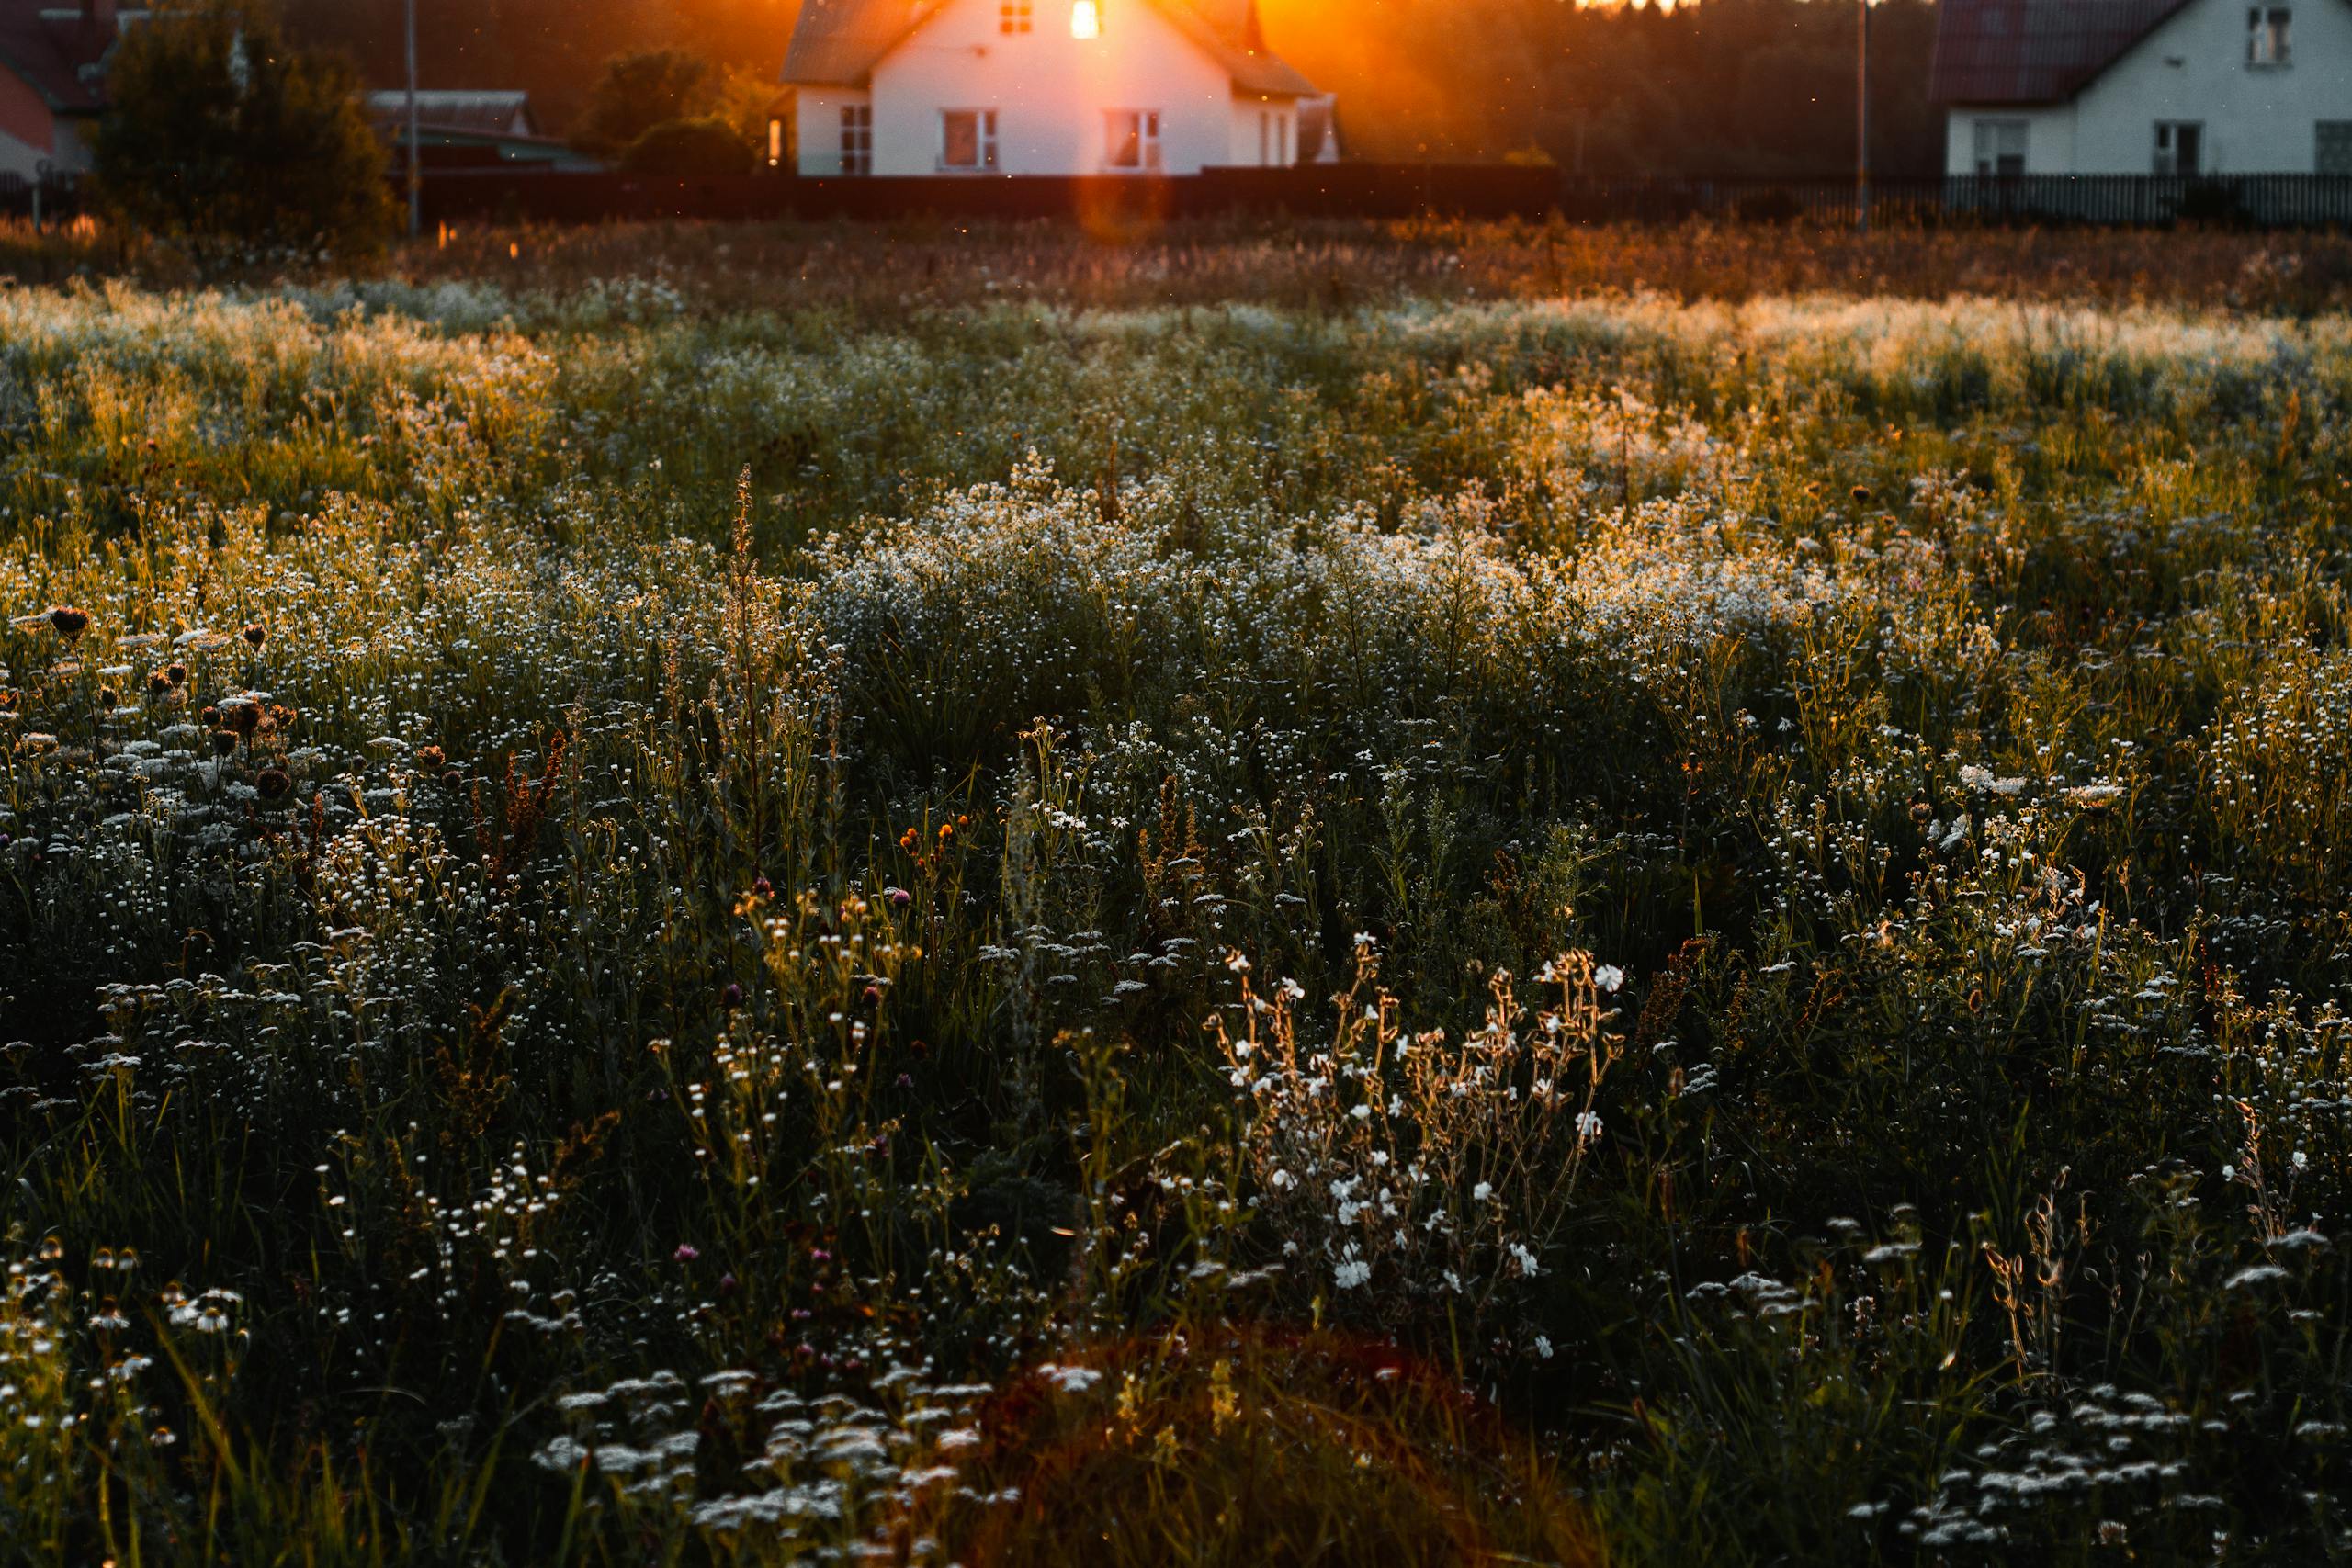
(1414, 1174)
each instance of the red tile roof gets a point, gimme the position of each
(56, 49)
(2033, 51)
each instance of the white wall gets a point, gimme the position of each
(1049, 90)
(2257, 120)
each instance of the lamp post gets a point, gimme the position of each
(415, 170)
(1861, 119)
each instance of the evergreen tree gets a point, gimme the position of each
(225, 137)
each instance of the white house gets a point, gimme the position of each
(1036, 87)
(2145, 87)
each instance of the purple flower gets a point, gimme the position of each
(732, 996)
(899, 897)
(686, 1253)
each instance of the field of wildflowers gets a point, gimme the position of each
(641, 927)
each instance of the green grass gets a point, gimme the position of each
(1376, 926)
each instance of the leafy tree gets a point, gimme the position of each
(705, 146)
(226, 137)
(638, 92)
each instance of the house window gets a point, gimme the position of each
(2000, 146)
(857, 139)
(2266, 35)
(1265, 136)
(967, 139)
(775, 143)
(1131, 139)
(1014, 17)
(2180, 146)
(1086, 18)
(2333, 154)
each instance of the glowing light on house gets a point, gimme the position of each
(1086, 18)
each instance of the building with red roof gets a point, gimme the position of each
(52, 81)
(2183, 87)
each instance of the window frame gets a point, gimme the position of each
(1145, 128)
(2169, 140)
(984, 142)
(2269, 36)
(857, 140)
(1015, 17)
(2339, 131)
(1988, 152)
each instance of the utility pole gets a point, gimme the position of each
(415, 170)
(1861, 119)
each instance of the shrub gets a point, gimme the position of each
(706, 146)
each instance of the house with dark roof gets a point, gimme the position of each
(52, 81)
(465, 129)
(981, 87)
(2144, 86)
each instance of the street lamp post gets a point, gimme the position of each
(415, 170)
(1861, 119)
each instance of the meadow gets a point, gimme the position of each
(1016, 902)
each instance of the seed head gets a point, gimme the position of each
(69, 622)
(274, 784)
(255, 634)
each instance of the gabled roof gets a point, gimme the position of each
(838, 42)
(2033, 51)
(57, 51)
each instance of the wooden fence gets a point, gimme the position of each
(1398, 190)
(1350, 190)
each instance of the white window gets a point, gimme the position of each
(2180, 146)
(2000, 146)
(2266, 35)
(967, 139)
(1014, 17)
(1131, 139)
(1086, 18)
(857, 139)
